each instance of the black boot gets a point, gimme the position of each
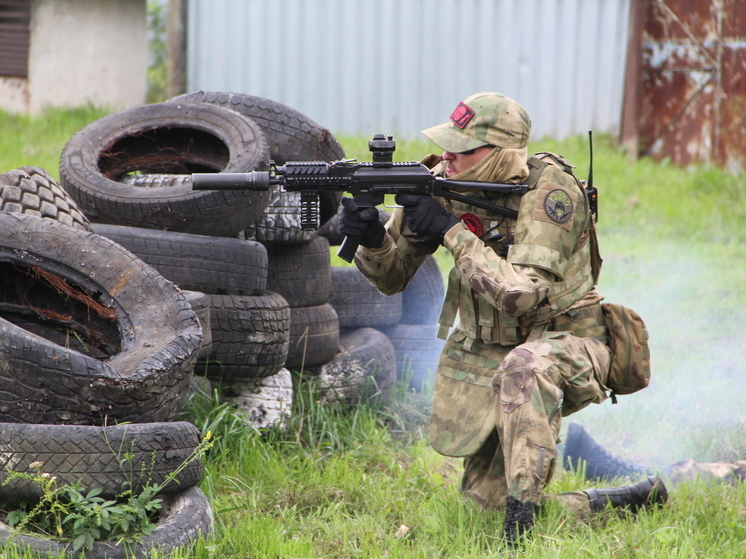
(600, 464)
(648, 492)
(519, 519)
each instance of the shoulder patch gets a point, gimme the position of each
(473, 223)
(558, 206)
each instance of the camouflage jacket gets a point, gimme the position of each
(509, 274)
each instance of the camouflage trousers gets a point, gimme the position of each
(511, 445)
(689, 470)
(484, 481)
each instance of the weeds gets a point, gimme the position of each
(66, 513)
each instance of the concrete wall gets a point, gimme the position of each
(82, 51)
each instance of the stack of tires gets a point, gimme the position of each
(346, 366)
(266, 280)
(408, 319)
(122, 282)
(415, 336)
(91, 337)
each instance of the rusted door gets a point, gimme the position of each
(694, 82)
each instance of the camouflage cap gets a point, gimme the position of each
(483, 119)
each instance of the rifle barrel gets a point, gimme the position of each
(253, 180)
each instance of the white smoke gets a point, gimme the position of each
(691, 296)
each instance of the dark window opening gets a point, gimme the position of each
(15, 16)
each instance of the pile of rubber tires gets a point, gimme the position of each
(121, 285)
(275, 303)
(91, 336)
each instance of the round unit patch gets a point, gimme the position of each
(558, 206)
(473, 223)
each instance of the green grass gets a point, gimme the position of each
(340, 482)
(336, 484)
(38, 141)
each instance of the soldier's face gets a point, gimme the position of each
(460, 162)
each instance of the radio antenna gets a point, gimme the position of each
(591, 190)
(590, 171)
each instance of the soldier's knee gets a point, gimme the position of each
(514, 381)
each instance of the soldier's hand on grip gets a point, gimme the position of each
(425, 215)
(363, 223)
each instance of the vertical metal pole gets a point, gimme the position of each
(629, 136)
(176, 26)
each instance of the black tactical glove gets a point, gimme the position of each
(425, 215)
(363, 223)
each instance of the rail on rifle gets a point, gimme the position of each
(366, 182)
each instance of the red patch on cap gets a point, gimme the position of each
(473, 223)
(461, 115)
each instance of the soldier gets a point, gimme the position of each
(600, 464)
(529, 347)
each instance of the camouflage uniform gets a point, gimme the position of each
(529, 345)
(689, 470)
(600, 464)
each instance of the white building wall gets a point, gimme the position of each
(83, 51)
(398, 66)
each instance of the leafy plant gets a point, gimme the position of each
(66, 513)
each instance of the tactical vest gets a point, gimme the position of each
(479, 320)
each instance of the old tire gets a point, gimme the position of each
(250, 336)
(291, 136)
(200, 303)
(137, 362)
(281, 221)
(423, 297)
(314, 336)
(172, 138)
(359, 304)
(113, 459)
(364, 370)
(33, 191)
(300, 273)
(215, 265)
(185, 517)
(418, 349)
(263, 403)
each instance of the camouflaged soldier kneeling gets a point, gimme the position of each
(530, 344)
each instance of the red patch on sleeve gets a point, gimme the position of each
(461, 115)
(473, 223)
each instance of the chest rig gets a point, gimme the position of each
(479, 320)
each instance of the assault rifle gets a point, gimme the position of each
(368, 182)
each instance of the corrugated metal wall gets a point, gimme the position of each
(398, 66)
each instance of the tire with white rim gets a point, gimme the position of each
(364, 370)
(263, 403)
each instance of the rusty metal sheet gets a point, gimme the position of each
(694, 82)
